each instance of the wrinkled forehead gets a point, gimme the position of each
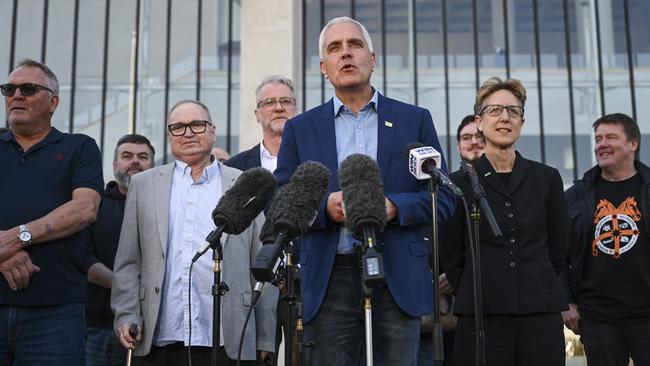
(187, 112)
(343, 31)
(27, 74)
(469, 128)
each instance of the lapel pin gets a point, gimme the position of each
(388, 123)
(486, 174)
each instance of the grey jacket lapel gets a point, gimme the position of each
(162, 186)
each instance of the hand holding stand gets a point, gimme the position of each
(218, 290)
(436, 332)
(133, 332)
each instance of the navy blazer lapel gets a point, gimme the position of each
(386, 130)
(327, 138)
(253, 158)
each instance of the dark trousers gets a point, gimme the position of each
(613, 344)
(513, 340)
(425, 354)
(43, 335)
(338, 329)
(176, 355)
(103, 348)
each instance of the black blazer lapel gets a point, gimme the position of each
(487, 174)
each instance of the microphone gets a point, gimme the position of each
(365, 211)
(471, 176)
(423, 164)
(240, 205)
(363, 194)
(292, 212)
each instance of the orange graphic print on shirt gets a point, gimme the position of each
(616, 227)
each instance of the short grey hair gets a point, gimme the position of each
(52, 81)
(192, 101)
(321, 38)
(274, 79)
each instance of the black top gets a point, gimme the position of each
(246, 159)
(101, 246)
(521, 271)
(33, 184)
(616, 277)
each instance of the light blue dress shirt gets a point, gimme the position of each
(190, 222)
(354, 134)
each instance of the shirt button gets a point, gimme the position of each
(513, 264)
(508, 204)
(157, 289)
(512, 228)
(511, 252)
(512, 240)
(510, 215)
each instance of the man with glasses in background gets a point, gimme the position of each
(166, 220)
(51, 188)
(276, 103)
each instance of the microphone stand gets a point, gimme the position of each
(478, 293)
(219, 289)
(436, 331)
(289, 301)
(480, 203)
(372, 276)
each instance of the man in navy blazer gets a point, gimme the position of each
(276, 103)
(360, 120)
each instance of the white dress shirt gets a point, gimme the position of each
(190, 221)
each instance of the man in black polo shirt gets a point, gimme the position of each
(50, 190)
(133, 154)
(609, 277)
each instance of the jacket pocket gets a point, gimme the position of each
(418, 248)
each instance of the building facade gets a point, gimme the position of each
(123, 63)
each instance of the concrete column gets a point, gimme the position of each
(270, 44)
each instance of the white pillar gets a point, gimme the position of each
(270, 44)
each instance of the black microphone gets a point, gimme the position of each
(423, 164)
(365, 211)
(363, 194)
(471, 176)
(240, 205)
(292, 212)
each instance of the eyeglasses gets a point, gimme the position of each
(495, 110)
(27, 89)
(179, 129)
(467, 138)
(270, 103)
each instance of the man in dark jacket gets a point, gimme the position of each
(609, 278)
(276, 103)
(133, 154)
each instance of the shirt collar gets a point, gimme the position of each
(338, 104)
(265, 153)
(210, 171)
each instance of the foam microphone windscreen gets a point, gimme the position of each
(240, 204)
(295, 205)
(363, 194)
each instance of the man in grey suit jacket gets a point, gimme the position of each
(167, 217)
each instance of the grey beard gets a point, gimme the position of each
(123, 179)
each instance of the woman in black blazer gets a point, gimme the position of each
(521, 271)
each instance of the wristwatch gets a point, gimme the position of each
(24, 236)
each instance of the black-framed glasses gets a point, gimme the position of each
(179, 129)
(467, 137)
(27, 89)
(269, 103)
(495, 110)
